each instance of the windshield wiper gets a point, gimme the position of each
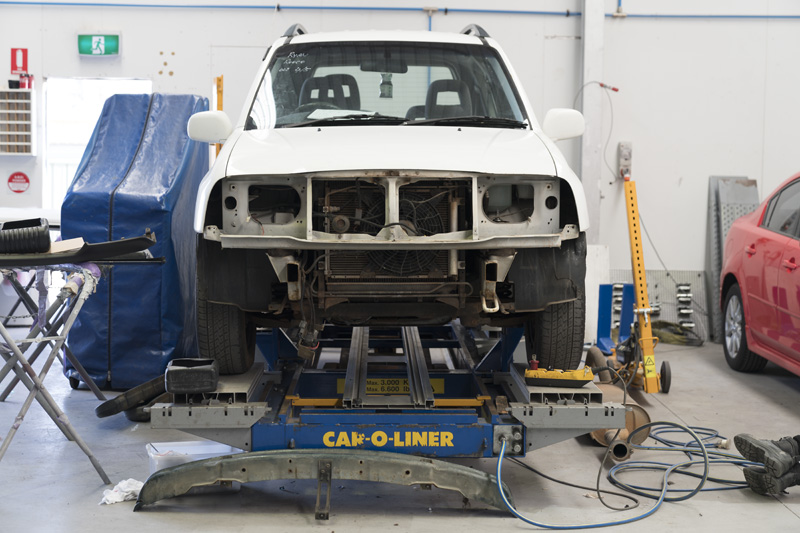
(355, 118)
(475, 121)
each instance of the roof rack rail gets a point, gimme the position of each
(294, 30)
(474, 29)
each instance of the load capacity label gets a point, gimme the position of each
(392, 386)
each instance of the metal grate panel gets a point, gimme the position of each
(662, 289)
(728, 199)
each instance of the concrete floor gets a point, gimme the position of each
(49, 485)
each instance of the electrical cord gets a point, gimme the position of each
(597, 370)
(527, 520)
(699, 450)
(692, 449)
(656, 434)
(575, 485)
(611, 116)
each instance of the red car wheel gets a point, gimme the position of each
(737, 354)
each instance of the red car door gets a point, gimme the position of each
(763, 252)
(781, 273)
(788, 302)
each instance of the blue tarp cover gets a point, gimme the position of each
(140, 170)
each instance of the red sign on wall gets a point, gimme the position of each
(19, 182)
(19, 61)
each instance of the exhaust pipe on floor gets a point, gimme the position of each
(635, 416)
(620, 449)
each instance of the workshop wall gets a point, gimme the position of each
(698, 95)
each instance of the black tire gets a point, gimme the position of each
(140, 394)
(734, 342)
(138, 414)
(665, 377)
(225, 335)
(555, 335)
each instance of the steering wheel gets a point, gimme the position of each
(313, 106)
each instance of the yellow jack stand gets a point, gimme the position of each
(642, 333)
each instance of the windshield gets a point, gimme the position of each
(385, 83)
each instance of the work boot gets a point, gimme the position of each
(777, 456)
(761, 482)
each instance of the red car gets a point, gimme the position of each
(760, 284)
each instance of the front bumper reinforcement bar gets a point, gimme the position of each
(322, 465)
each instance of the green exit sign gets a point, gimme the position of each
(98, 45)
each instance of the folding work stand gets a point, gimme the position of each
(51, 326)
(36, 311)
(50, 332)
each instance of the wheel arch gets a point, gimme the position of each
(727, 282)
(237, 276)
(560, 274)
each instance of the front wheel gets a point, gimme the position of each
(225, 335)
(554, 336)
(737, 354)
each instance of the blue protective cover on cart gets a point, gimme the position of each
(140, 170)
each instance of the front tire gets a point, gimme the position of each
(554, 336)
(225, 335)
(737, 354)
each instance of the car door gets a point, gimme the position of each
(789, 302)
(781, 273)
(788, 286)
(760, 257)
(763, 252)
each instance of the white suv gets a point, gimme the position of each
(389, 178)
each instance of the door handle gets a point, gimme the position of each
(750, 249)
(789, 264)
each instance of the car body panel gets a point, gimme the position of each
(762, 253)
(788, 299)
(499, 151)
(476, 150)
(760, 260)
(768, 327)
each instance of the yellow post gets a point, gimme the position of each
(218, 85)
(645, 336)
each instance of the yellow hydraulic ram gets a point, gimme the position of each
(642, 311)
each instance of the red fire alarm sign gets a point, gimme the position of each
(19, 182)
(19, 61)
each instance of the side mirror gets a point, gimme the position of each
(209, 126)
(560, 124)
